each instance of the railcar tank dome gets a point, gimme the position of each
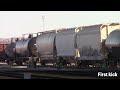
(113, 39)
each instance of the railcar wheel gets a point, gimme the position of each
(113, 64)
(10, 63)
(110, 63)
(34, 64)
(20, 63)
(42, 63)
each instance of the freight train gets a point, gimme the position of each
(84, 46)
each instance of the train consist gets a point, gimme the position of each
(85, 46)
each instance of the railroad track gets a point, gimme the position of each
(54, 73)
(42, 76)
(21, 76)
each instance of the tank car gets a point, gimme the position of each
(21, 50)
(113, 47)
(10, 53)
(25, 48)
(46, 48)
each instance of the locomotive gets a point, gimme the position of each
(84, 46)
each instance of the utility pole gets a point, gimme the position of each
(43, 17)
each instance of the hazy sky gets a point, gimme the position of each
(16, 23)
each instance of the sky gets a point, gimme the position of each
(16, 23)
